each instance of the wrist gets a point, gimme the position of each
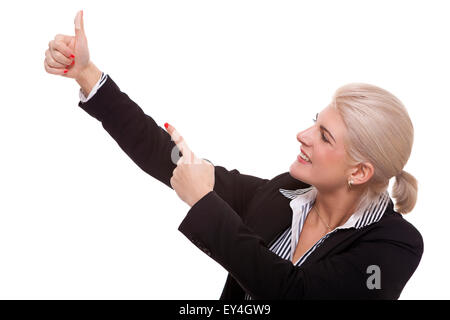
(88, 77)
(200, 196)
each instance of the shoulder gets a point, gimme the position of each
(393, 228)
(286, 181)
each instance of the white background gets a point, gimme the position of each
(239, 79)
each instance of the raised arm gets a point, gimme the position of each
(138, 135)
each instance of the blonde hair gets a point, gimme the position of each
(379, 131)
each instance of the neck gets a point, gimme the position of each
(337, 206)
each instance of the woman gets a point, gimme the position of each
(327, 229)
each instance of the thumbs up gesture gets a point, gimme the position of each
(193, 177)
(68, 55)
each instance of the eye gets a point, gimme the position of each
(323, 136)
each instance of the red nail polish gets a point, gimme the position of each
(65, 71)
(166, 125)
(73, 62)
(72, 56)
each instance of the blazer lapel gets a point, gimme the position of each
(271, 214)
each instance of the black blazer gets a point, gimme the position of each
(236, 222)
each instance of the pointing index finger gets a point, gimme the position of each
(179, 140)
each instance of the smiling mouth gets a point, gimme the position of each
(301, 160)
(304, 157)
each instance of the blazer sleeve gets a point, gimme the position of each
(151, 147)
(213, 226)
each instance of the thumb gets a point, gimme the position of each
(72, 43)
(79, 25)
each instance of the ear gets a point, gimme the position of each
(362, 173)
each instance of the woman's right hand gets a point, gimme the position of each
(68, 55)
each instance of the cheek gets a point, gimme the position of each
(329, 170)
(329, 161)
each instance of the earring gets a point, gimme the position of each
(350, 183)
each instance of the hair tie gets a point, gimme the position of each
(400, 174)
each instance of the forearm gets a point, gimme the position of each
(138, 135)
(88, 78)
(213, 226)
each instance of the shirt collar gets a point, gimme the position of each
(303, 199)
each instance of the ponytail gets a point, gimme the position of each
(404, 191)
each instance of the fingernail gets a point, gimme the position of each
(65, 71)
(166, 125)
(72, 56)
(73, 62)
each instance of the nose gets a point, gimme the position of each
(304, 137)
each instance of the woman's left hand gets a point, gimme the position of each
(193, 177)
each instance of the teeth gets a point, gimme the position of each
(304, 157)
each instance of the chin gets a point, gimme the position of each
(296, 173)
(295, 170)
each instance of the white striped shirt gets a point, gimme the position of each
(301, 204)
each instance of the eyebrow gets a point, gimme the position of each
(325, 129)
